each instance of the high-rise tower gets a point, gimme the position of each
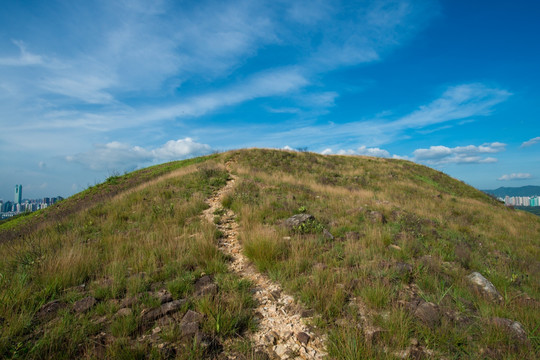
(18, 194)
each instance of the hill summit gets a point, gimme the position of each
(267, 254)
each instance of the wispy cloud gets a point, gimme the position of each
(515, 176)
(120, 156)
(25, 57)
(458, 102)
(531, 142)
(470, 154)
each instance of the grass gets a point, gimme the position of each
(401, 231)
(440, 227)
(139, 240)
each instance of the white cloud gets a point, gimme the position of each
(116, 155)
(25, 58)
(458, 102)
(531, 142)
(362, 150)
(470, 154)
(515, 176)
(327, 151)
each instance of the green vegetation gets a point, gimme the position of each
(401, 231)
(385, 235)
(129, 246)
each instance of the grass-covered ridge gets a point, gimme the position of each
(387, 234)
(400, 231)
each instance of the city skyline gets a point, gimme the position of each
(93, 89)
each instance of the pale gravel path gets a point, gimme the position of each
(279, 321)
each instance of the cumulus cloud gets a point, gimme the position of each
(470, 154)
(531, 142)
(327, 151)
(515, 176)
(362, 150)
(116, 155)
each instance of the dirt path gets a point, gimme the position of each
(281, 328)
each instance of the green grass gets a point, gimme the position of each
(126, 246)
(401, 231)
(442, 228)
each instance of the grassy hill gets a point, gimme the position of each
(130, 268)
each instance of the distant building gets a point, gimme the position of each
(8, 206)
(18, 194)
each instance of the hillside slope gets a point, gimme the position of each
(377, 263)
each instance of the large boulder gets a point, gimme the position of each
(484, 287)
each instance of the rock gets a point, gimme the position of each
(297, 220)
(280, 350)
(148, 316)
(373, 335)
(49, 310)
(84, 305)
(205, 285)
(352, 235)
(512, 328)
(303, 338)
(305, 313)
(189, 329)
(427, 312)
(271, 338)
(376, 217)
(484, 287)
(163, 296)
(165, 321)
(129, 301)
(403, 269)
(275, 294)
(260, 355)
(78, 288)
(192, 316)
(189, 325)
(327, 235)
(124, 312)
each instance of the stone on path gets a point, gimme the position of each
(303, 338)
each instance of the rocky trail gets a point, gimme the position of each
(282, 331)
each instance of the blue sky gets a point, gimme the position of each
(93, 88)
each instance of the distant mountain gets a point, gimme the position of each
(528, 190)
